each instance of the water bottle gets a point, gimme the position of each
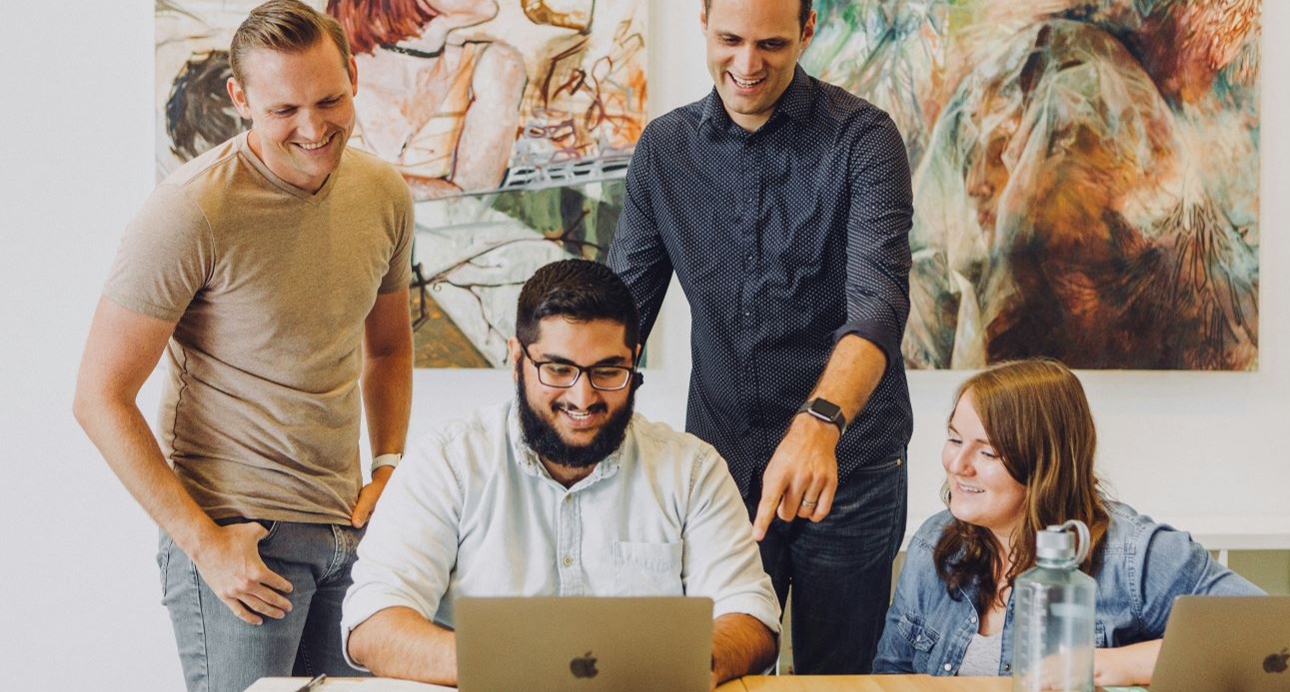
(1053, 622)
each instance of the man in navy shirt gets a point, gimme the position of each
(783, 205)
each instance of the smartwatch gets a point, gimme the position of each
(826, 411)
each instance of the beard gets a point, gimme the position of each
(543, 438)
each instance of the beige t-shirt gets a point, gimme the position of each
(269, 287)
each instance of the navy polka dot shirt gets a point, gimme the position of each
(784, 240)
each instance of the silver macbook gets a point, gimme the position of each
(554, 644)
(1225, 644)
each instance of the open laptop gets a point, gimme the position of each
(555, 644)
(1225, 644)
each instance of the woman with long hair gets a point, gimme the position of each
(1019, 457)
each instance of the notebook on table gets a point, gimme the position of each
(1225, 644)
(555, 644)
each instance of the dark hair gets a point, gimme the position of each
(289, 26)
(374, 23)
(1038, 420)
(803, 12)
(580, 290)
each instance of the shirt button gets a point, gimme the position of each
(948, 667)
(568, 498)
(569, 561)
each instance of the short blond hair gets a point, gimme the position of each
(289, 26)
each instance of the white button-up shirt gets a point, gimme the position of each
(471, 511)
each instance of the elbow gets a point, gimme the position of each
(93, 403)
(359, 649)
(84, 404)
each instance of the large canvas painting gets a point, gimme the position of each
(511, 120)
(1085, 173)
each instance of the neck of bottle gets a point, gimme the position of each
(1067, 563)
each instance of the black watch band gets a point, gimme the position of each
(826, 411)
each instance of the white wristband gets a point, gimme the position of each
(390, 460)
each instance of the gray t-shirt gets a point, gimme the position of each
(981, 658)
(268, 286)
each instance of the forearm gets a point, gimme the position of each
(741, 645)
(399, 643)
(1126, 665)
(851, 374)
(122, 436)
(387, 400)
(387, 373)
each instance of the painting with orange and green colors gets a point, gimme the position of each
(512, 122)
(1086, 173)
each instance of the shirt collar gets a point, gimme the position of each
(795, 102)
(529, 463)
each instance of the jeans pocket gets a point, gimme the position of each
(271, 526)
(647, 569)
(163, 559)
(881, 466)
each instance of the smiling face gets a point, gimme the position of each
(753, 46)
(981, 489)
(578, 426)
(301, 105)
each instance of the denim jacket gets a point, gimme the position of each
(1144, 566)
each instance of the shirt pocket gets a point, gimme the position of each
(921, 638)
(647, 569)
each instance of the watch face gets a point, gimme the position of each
(827, 410)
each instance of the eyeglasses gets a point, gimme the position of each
(606, 378)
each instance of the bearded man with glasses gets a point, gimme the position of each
(561, 491)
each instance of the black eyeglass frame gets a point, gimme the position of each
(537, 365)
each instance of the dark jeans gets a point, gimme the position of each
(839, 570)
(220, 653)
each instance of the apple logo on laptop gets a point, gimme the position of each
(1276, 663)
(585, 666)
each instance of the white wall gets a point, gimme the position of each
(79, 586)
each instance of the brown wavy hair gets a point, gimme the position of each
(374, 23)
(1038, 420)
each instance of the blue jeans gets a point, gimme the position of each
(221, 653)
(839, 570)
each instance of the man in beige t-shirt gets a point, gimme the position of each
(273, 272)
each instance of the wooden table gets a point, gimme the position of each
(751, 683)
(865, 683)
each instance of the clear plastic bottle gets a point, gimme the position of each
(1054, 605)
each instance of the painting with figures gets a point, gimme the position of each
(512, 122)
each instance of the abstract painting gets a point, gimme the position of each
(511, 120)
(1085, 173)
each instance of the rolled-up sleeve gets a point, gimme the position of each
(878, 224)
(407, 555)
(720, 558)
